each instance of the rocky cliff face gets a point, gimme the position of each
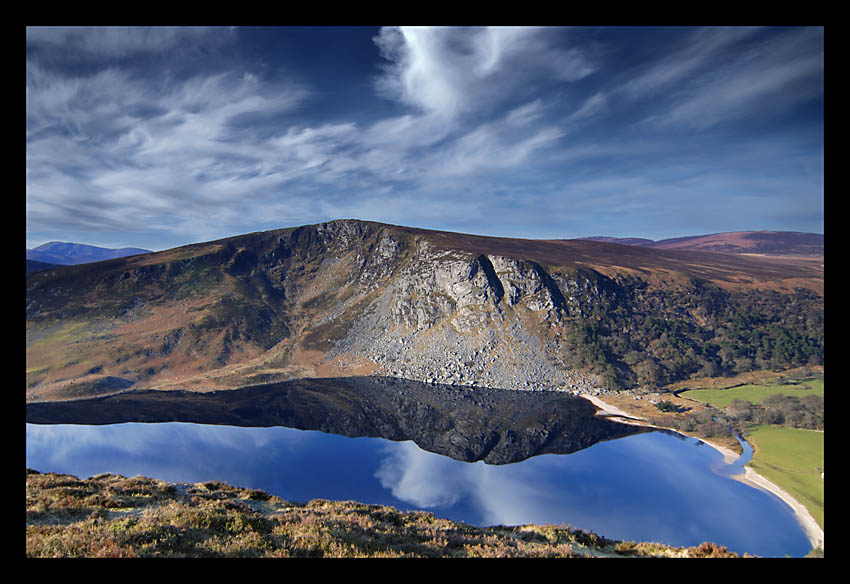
(457, 317)
(336, 299)
(437, 314)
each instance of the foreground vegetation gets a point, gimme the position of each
(113, 516)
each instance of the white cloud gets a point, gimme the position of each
(488, 148)
(107, 151)
(114, 148)
(525, 114)
(454, 71)
(120, 41)
(112, 151)
(761, 86)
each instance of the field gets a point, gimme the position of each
(753, 393)
(790, 457)
(793, 459)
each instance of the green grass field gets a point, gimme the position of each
(752, 393)
(790, 457)
(793, 459)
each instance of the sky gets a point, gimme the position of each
(159, 137)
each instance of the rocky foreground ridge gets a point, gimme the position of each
(349, 298)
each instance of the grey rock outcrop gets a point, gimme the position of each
(447, 316)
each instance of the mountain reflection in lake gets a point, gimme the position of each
(650, 486)
(495, 425)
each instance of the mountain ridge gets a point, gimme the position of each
(68, 253)
(776, 243)
(351, 297)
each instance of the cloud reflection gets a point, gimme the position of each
(165, 450)
(422, 478)
(500, 494)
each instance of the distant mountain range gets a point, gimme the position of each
(61, 253)
(774, 243)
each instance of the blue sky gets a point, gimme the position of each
(159, 137)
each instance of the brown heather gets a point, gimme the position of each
(114, 516)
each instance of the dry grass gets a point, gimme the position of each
(113, 516)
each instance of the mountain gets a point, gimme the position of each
(620, 240)
(773, 243)
(351, 298)
(35, 266)
(57, 252)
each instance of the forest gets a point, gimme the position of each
(636, 336)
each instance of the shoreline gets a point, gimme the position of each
(749, 477)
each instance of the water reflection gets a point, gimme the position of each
(737, 467)
(647, 487)
(494, 425)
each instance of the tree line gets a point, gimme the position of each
(777, 410)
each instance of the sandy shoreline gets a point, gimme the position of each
(749, 476)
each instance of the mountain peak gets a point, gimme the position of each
(67, 253)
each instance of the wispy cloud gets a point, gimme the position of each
(697, 52)
(143, 146)
(120, 41)
(451, 71)
(592, 106)
(185, 132)
(719, 76)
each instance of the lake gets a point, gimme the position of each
(645, 486)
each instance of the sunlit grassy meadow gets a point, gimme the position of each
(793, 459)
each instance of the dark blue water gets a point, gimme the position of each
(647, 487)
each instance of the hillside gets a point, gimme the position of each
(349, 298)
(36, 266)
(114, 516)
(771, 243)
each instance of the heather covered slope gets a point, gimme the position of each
(771, 243)
(114, 516)
(356, 298)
